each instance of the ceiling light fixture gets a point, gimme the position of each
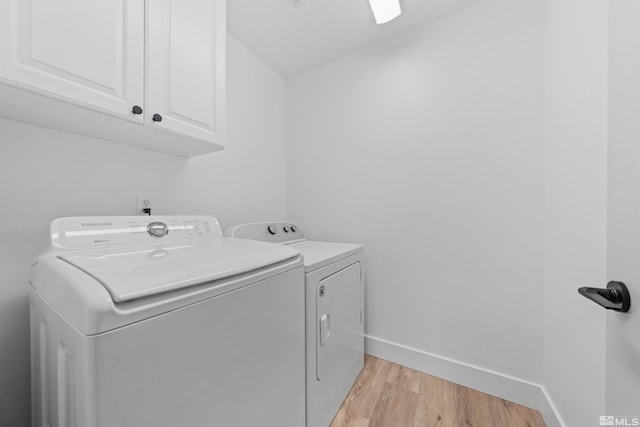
(385, 10)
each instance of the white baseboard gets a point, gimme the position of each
(494, 383)
(549, 411)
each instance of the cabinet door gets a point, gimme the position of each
(186, 43)
(88, 52)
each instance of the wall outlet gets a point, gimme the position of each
(143, 206)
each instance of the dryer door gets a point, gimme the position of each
(340, 326)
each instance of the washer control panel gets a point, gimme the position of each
(91, 232)
(274, 232)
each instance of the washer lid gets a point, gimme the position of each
(132, 272)
(321, 254)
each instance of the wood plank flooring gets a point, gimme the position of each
(390, 395)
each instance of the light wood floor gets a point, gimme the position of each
(390, 395)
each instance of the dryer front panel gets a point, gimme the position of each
(340, 329)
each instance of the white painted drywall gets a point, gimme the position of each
(428, 149)
(46, 174)
(623, 202)
(575, 115)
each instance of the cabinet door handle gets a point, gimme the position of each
(157, 118)
(136, 109)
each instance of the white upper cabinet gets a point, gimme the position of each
(150, 74)
(185, 77)
(89, 52)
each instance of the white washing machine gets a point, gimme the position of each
(161, 321)
(334, 284)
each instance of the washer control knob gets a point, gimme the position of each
(293, 228)
(286, 228)
(272, 229)
(158, 229)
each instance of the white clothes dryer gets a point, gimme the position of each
(161, 321)
(334, 288)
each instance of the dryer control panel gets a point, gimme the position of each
(274, 232)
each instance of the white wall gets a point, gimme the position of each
(575, 112)
(623, 202)
(428, 149)
(46, 174)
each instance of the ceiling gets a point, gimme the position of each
(295, 36)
